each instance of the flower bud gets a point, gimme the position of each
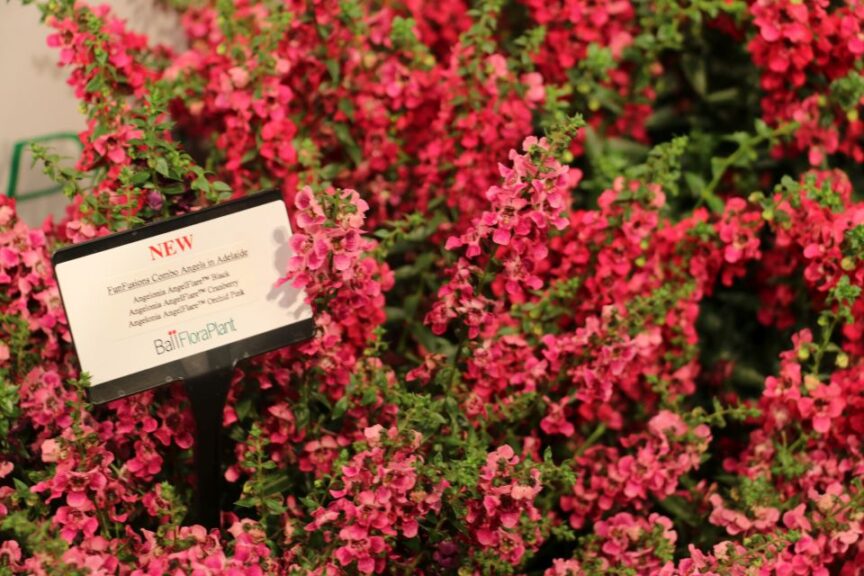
(842, 360)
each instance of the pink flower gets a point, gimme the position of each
(114, 146)
(795, 519)
(823, 405)
(73, 522)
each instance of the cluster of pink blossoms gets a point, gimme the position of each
(572, 29)
(641, 545)
(525, 208)
(650, 465)
(355, 102)
(380, 498)
(801, 49)
(345, 285)
(532, 355)
(507, 503)
(111, 134)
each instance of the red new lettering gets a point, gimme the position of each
(170, 247)
(184, 239)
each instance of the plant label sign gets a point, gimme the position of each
(182, 298)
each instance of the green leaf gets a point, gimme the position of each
(173, 189)
(718, 166)
(140, 177)
(276, 484)
(95, 84)
(695, 182)
(694, 69)
(343, 133)
(395, 313)
(243, 408)
(679, 509)
(724, 96)
(161, 166)
(201, 184)
(340, 408)
(715, 203)
(274, 506)
(347, 108)
(333, 69)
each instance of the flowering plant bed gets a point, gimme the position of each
(586, 278)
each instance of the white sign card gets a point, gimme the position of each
(183, 297)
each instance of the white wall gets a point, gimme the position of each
(35, 100)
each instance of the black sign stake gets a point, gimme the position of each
(185, 299)
(207, 393)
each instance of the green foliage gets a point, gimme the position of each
(847, 93)
(263, 490)
(663, 165)
(721, 414)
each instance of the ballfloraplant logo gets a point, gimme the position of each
(177, 340)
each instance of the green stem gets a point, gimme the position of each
(463, 337)
(591, 440)
(708, 193)
(827, 332)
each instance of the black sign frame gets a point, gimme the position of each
(195, 366)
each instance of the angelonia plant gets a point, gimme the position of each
(587, 279)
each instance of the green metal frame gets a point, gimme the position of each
(17, 155)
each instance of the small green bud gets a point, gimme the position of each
(842, 360)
